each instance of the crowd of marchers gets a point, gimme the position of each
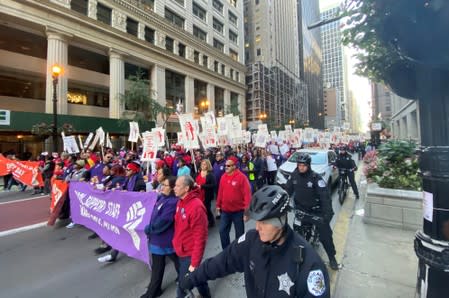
(275, 260)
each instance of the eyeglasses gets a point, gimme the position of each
(108, 157)
(228, 166)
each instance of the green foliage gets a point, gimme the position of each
(45, 130)
(139, 98)
(363, 22)
(394, 165)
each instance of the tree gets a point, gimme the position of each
(139, 99)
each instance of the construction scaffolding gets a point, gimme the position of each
(276, 92)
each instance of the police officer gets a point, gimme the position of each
(313, 196)
(275, 260)
(345, 161)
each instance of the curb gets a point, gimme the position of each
(22, 229)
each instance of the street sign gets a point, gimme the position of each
(376, 126)
(5, 117)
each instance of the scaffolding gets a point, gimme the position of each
(277, 93)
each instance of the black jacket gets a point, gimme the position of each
(311, 193)
(345, 161)
(269, 271)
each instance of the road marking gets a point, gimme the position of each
(22, 229)
(23, 200)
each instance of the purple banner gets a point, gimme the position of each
(118, 217)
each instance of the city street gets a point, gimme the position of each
(60, 262)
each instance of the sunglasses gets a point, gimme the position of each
(228, 166)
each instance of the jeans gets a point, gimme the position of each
(227, 219)
(184, 264)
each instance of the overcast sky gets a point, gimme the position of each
(360, 86)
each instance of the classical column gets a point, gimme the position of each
(242, 109)
(189, 86)
(226, 101)
(116, 83)
(92, 9)
(211, 96)
(159, 39)
(158, 88)
(176, 47)
(141, 31)
(57, 52)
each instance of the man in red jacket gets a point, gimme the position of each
(234, 196)
(189, 240)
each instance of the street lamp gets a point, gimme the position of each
(204, 105)
(55, 72)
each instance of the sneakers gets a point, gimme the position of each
(71, 225)
(357, 197)
(102, 249)
(106, 258)
(333, 264)
(92, 236)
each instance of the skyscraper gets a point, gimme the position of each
(334, 65)
(311, 59)
(273, 65)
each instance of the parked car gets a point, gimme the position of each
(322, 163)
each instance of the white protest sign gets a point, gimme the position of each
(149, 146)
(133, 132)
(159, 136)
(87, 141)
(188, 128)
(70, 145)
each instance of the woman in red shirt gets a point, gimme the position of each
(206, 181)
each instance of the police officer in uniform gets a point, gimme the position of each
(276, 262)
(313, 196)
(345, 161)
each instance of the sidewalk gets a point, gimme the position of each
(378, 261)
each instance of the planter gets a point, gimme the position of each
(393, 207)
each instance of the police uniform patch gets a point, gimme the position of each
(242, 238)
(309, 184)
(285, 283)
(315, 283)
(321, 183)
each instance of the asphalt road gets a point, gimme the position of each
(58, 262)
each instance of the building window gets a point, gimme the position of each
(232, 18)
(257, 2)
(169, 44)
(223, 69)
(216, 66)
(237, 76)
(233, 2)
(233, 36)
(196, 57)
(182, 50)
(258, 52)
(180, 2)
(231, 73)
(218, 26)
(234, 55)
(218, 45)
(205, 61)
(131, 26)
(218, 5)
(199, 33)
(199, 11)
(104, 14)
(174, 18)
(149, 35)
(79, 6)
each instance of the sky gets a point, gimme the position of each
(360, 86)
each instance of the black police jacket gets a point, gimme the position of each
(269, 271)
(311, 193)
(345, 161)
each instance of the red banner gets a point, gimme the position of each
(26, 172)
(58, 196)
